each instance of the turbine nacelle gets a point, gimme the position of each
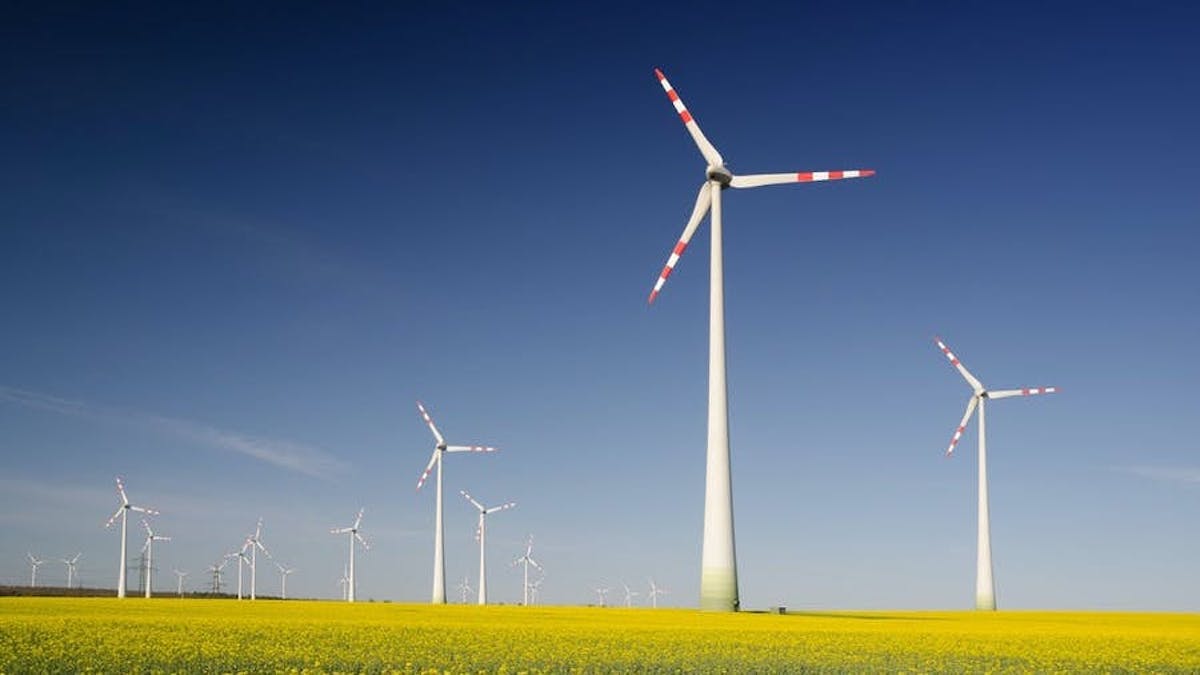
(719, 174)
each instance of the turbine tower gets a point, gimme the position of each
(718, 567)
(254, 543)
(179, 588)
(123, 513)
(484, 512)
(527, 560)
(985, 587)
(242, 558)
(354, 535)
(34, 563)
(440, 448)
(602, 593)
(148, 548)
(215, 571)
(71, 563)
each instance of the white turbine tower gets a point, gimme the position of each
(484, 512)
(602, 593)
(179, 588)
(656, 591)
(353, 532)
(440, 448)
(254, 542)
(527, 560)
(123, 514)
(718, 567)
(464, 589)
(629, 595)
(242, 559)
(985, 588)
(34, 563)
(148, 547)
(283, 575)
(71, 563)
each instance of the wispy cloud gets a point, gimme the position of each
(289, 455)
(1171, 474)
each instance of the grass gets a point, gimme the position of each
(109, 635)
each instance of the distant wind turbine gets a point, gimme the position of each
(465, 589)
(656, 591)
(602, 593)
(179, 587)
(242, 559)
(354, 535)
(439, 449)
(254, 542)
(629, 595)
(71, 563)
(718, 568)
(34, 564)
(985, 588)
(148, 547)
(484, 512)
(123, 513)
(283, 575)
(527, 560)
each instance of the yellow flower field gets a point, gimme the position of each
(166, 635)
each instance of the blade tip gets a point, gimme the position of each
(867, 173)
(658, 73)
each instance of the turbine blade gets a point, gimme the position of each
(341, 530)
(761, 179)
(975, 384)
(470, 448)
(706, 148)
(1008, 393)
(358, 519)
(432, 427)
(428, 469)
(502, 507)
(703, 202)
(366, 546)
(121, 491)
(472, 500)
(114, 517)
(141, 509)
(963, 424)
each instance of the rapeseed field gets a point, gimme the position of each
(93, 635)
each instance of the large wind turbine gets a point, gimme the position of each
(71, 563)
(440, 448)
(718, 567)
(123, 514)
(985, 588)
(254, 542)
(34, 563)
(527, 560)
(353, 532)
(484, 512)
(148, 547)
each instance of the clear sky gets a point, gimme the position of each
(238, 242)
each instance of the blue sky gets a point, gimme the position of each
(238, 244)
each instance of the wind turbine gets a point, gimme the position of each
(527, 560)
(123, 512)
(602, 593)
(34, 563)
(353, 532)
(179, 588)
(148, 547)
(242, 558)
(440, 448)
(71, 563)
(254, 542)
(483, 514)
(985, 587)
(215, 570)
(629, 595)
(535, 588)
(656, 591)
(283, 575)
(718, 567)
(464, 589)
(344, 582)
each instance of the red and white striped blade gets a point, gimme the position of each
(706, 148)
(760, 179)
(1008, 393)
(428, 469)
(472, 500)
(429, 420)
(975, 384)
(703, 202)
(470, 448)
(963, 424)
(502, 507)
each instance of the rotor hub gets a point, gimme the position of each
(719, 174)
